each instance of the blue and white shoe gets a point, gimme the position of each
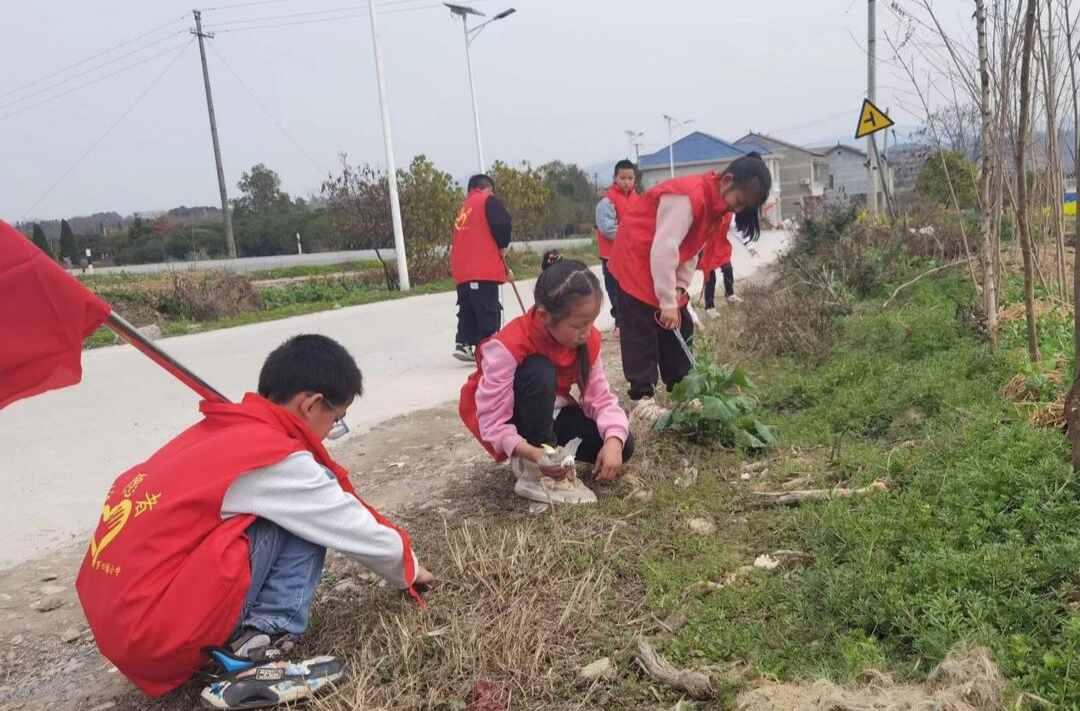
(245, 684)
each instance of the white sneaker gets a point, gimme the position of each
(712, 313)
(533, 485)
(648, 411)
(733, 299)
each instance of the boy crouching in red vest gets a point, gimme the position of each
(519, 397)
(218, 539)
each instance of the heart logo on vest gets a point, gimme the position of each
(115, 517)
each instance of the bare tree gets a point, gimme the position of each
(1072, 401)
(1022, 216)
(988, 251)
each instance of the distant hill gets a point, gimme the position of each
(108, 222)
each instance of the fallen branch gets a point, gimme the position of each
(794, 498)
(924, 274)
(696, 684)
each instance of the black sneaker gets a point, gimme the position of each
(464, 353)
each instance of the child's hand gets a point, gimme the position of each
(535, 454)
(609, 461)
(423, 580)
(669, 319)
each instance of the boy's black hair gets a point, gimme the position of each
(562, 283)
(624, 164)
(749, 172)
(481, 182)
(311, 363)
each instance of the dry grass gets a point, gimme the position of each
(782, 323)
(1016, 311)
(523, 606)
(968, 680)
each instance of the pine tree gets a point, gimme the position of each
(68, 249)
(42, 241)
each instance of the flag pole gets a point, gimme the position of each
(121, 327)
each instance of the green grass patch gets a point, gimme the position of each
(976, 542)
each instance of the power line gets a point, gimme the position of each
(320, 169)
(91, 70)
(346, 8)
(93, 56)
(72, 90)
(325, 19)
(108, 130)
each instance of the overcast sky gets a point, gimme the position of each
(560, 79)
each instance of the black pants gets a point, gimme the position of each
(612, 288)
(710, 285)
(534, 405)
(646, 347)
(479, 311)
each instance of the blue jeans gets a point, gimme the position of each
(285, 571)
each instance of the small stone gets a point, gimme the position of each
(152, 332)
(766, 562)
(346, 587)
(701, 526)
(17, 640)
(52, 589)
(745, 476)
(71, 634)
(538, 507)
(600, 670)
(47, 604)
(642, 495)
(48, 577)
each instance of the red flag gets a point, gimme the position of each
(45, 314)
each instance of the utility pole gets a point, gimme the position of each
(229, 241)
(673, 123)
(391, 168)
(631, 138)
(871, 94)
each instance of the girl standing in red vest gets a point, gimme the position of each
(654, 258)
(616, 201)
(519, 398)
(717, 255)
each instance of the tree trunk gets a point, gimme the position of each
(1022, 217)
(1072, 401)
(988, 252)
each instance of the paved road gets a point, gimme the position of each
(61, 450)
(254, 264)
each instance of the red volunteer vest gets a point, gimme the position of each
(474, 256)
(622, 202)
(717, 251)
(630, 260)
(523, 337)
(165, 575)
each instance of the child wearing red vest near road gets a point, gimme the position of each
(717, 255)
(654, 258)
(519, 398)
(481, 237)
(616, 201)
(215, 545)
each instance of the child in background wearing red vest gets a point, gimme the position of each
(218, 540)
(519, 397)
(481, 237)
(654, 259)
(717, 255)
(616, 201)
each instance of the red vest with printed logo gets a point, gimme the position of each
(474, 256)
(622, 202)
(630, 261)
(165, 575)
(523, 337)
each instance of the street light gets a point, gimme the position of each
(471, 34)
(673, 123)
(631, 139)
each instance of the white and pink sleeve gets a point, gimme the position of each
(674, 216)
(495, 398)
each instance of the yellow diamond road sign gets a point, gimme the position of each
(871, 120)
